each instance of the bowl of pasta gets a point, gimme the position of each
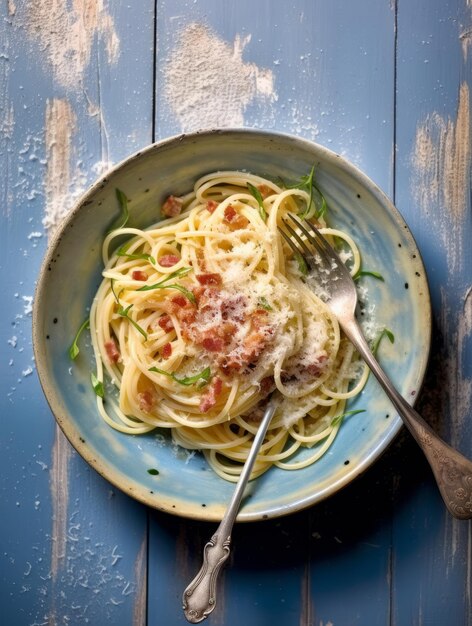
(168, 309)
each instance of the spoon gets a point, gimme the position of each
(199, 598)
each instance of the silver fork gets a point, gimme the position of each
(453, 472)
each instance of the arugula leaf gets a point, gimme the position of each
(97, 385)
(339, 418)
(74, 349)
(205, 376)
(368, 273)
(385, 333)
(183, 271)
(260, 200)
(112, 286)
(262, 302)
(124, 312)
(188, 294)
(163, 284)
(146, 257)
(307, 183)
(302, 265)
(123, 202)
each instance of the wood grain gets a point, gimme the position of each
(386, 83)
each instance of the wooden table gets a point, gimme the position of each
(386, 83)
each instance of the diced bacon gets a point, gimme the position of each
(234, 308)
(165, 323)
(180, 300)
(168, 260)
(139, 275)
(315, 368)
(259, 318)
(265, 190)
(267, 384)
(248, 353)
(146, 400)
(230, 213)
(234, 219)
(230, 364)
(209, 279)
(201, 260)
(211, 206)
(254, 343)
(112, 351)
(213, 344)
(166, 350)
(206, 297)
(208, 400)
(172, 206)
(185, 311)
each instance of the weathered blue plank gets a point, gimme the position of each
(431, 560)
(76, 89)
(287, 69)
(76, 93)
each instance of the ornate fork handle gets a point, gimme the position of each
(199, 598)
(453, 472)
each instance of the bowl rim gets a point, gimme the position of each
(128, 485)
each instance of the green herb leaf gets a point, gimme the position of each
(183, 271)
(188, 294)
(302, 265)
(97, 385)
(124, 311)
(339, 418)
(123, 202)
(385, 333)
(260, 200)
(368, 273)
(205, 376)
(112, 287)
(262, 302)
(74, 349)
(153, 471)
(307, 183)
(146, 257)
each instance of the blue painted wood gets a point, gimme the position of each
(73, 548)
(431, 558)
(295, 570)
(381, 552)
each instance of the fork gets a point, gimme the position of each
(452, 471)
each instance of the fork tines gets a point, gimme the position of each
(313, 236)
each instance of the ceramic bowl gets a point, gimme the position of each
(71, 274)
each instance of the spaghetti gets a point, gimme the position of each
(200, 317)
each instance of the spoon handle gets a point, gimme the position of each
(199, 598)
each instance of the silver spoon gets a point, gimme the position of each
(199, 598)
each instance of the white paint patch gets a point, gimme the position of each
(441, 162)
(465, 38)
(140, 576)
(207, 83)
(59, 485)
(60, 128)
(66, 31)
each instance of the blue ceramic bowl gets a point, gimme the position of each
(70, 276)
